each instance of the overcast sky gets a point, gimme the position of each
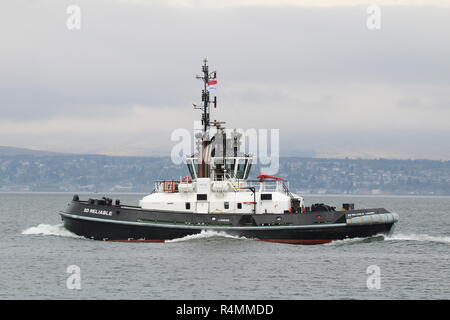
(124, 81)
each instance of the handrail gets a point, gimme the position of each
(266, 185)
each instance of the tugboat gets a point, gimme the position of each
(217, 195)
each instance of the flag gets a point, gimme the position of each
(212, 85)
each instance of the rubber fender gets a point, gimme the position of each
(378, 218)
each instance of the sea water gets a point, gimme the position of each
(39, 256)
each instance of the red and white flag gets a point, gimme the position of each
(212, 85)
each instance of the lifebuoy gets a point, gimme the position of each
(186, 179)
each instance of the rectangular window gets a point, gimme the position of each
(191, 170)
(192, 165)
(239, 205)
(188, 205)
(201, 196)
(226, 205)
(266, 196)
(229, 166)
(241, 168)
(249, 167)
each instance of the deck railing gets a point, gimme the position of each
(237, 185)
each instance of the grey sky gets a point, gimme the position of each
(122, 83)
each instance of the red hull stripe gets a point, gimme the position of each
(296, 241)
(136, 240)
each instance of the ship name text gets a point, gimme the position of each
(95, 211)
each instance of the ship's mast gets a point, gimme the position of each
(207, 77)
(203, 168)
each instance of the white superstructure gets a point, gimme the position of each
(218, 180)
(226, 189)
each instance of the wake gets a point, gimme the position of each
(60, 231)
(418, 238)
(423, 238)
(206, 234)
(51, 230)
(355, 240)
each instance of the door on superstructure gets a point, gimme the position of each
(202, 207)
(202, 204)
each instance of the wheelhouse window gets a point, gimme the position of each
(247, 171)
(242, 163)
(229, 166)
(192, 165)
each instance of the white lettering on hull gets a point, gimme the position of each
(95, 211)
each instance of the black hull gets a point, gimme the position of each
(117, 232)
(128, 224)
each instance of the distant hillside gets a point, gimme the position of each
(13, 151)
(30, 170)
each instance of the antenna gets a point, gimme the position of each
(207, 77)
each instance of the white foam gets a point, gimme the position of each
(50, 230)
(395, 237)
(204, 234)
(418, 237)
(354, 240)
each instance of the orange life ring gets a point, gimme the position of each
(186, 179)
